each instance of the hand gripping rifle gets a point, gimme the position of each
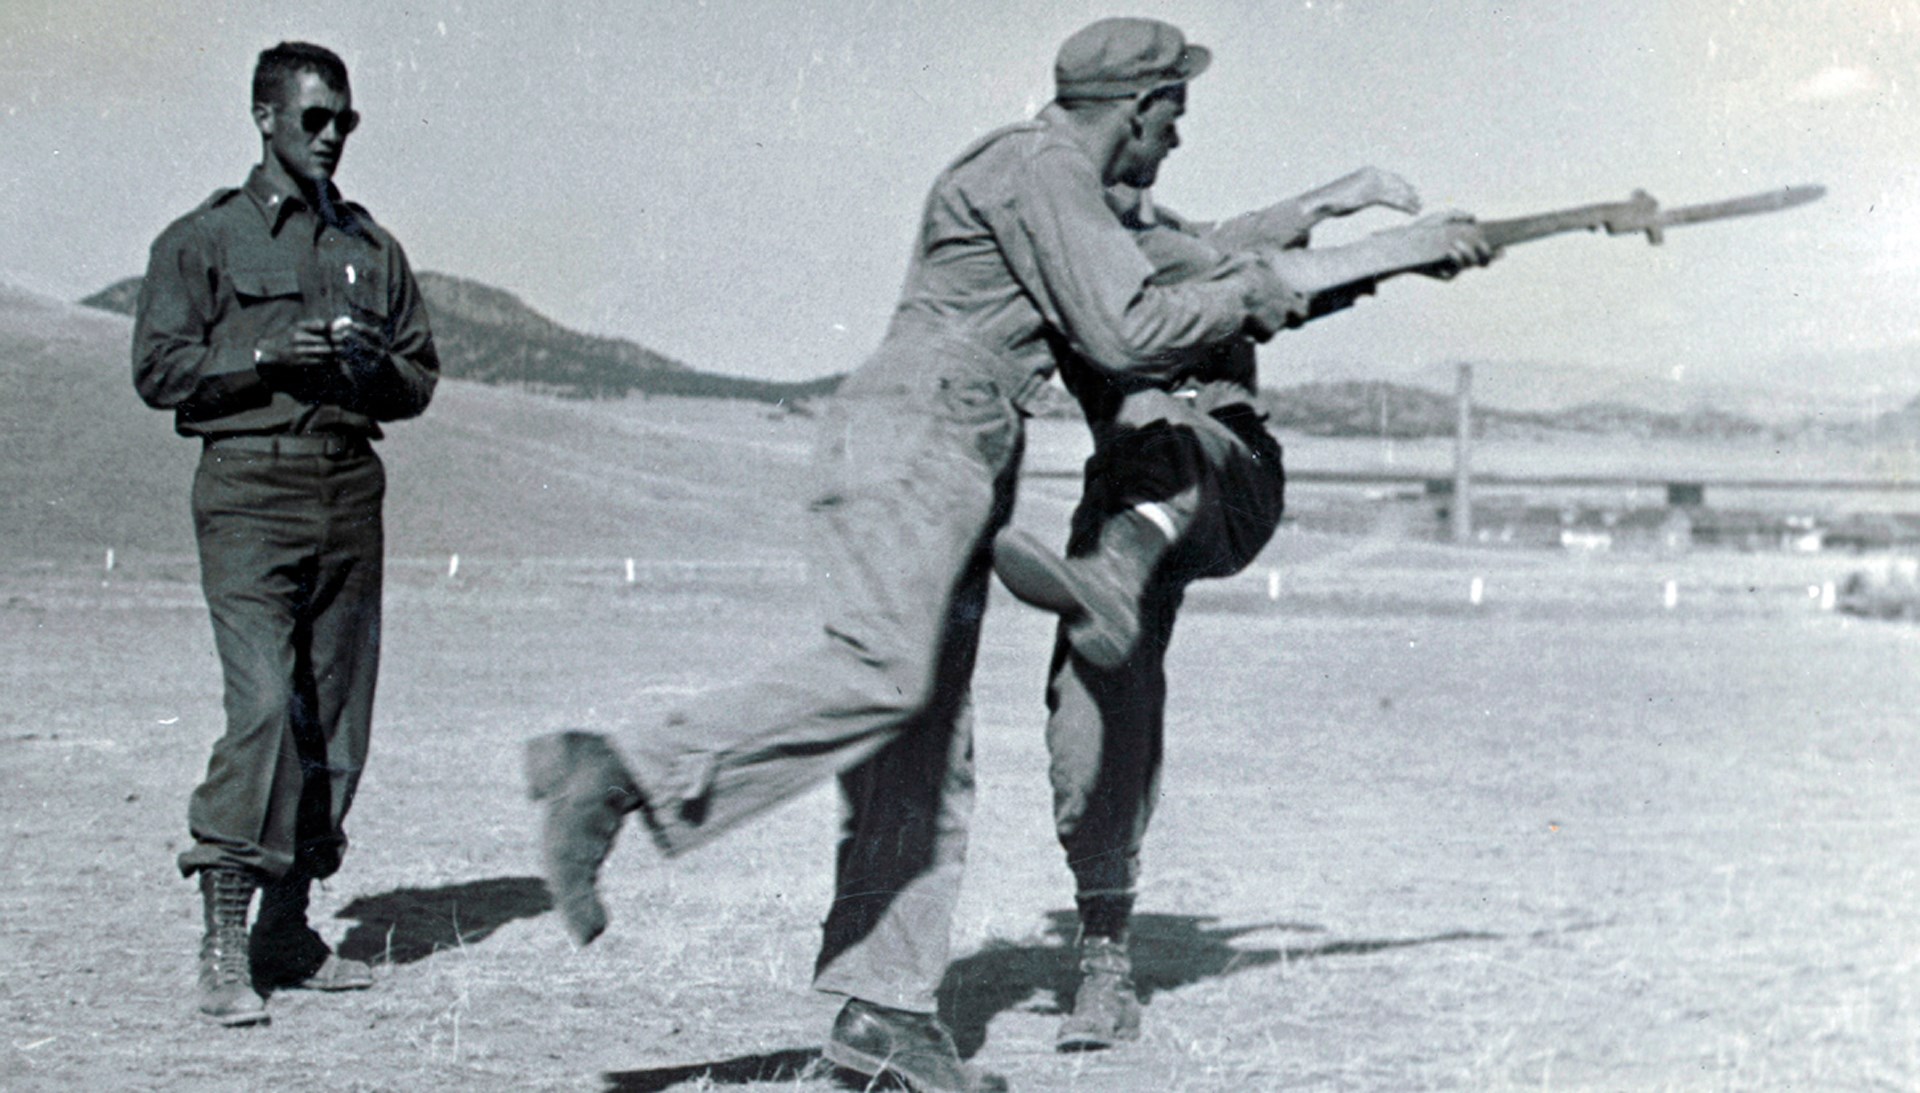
(1638, 215)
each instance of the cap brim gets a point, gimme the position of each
(1194, 60)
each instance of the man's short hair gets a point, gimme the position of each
(277, 67)
(1175, 91)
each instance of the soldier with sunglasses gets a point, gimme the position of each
(281, 325)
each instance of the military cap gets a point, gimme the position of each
(1123, 57)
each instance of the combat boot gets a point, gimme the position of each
(588, 792)
(1098, 594)
(1106, 1011)
(287, 953)
(227, 996)
(913, 1050)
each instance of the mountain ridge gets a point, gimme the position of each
(490, 335)
(490, 470)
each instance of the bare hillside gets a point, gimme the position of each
(85, 467)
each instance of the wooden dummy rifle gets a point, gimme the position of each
(1638, 215)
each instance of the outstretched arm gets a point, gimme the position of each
(1439, 245)
(1287, 223)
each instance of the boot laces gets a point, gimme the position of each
(1104, 957)
(226, 943)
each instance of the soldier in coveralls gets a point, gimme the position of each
(1019, 260)
(1017, 256)
(281, 325)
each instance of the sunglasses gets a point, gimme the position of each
(314, 119)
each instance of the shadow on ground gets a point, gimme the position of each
(411, 924)
(791, 1065)
(1168, 951)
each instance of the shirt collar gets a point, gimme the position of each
(277, 202)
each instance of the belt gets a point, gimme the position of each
(330, 445)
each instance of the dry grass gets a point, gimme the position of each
(1568, 840)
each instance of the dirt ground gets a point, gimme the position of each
(1569, 838)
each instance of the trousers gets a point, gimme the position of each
(291, 551)
(1214, 470)
(916, 458)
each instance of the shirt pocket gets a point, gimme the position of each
(253, 287)
(363, 284)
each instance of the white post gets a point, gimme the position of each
(629, 570)
(1671, 595)
(109, 559)
(1273, 584)
(453, 566)
(1477, 591)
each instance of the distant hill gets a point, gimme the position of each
(1403, 411)
(489, 335)
(488, 471)
(1838, 393)
(1903, 423)
(84, 465)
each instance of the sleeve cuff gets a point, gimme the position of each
(1272, 305)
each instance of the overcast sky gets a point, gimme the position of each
(736, 183)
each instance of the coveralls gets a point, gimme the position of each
(1018, 257)
(286, 501)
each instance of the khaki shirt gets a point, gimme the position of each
(248, 264)
(1180, 251)
(1020, 254)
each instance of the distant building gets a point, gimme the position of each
(1582, 527)
(1745, 529)
(1663, 530)
(1684, 522)
(1874, 532)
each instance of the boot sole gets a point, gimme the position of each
(1034, 573)
(1069, 1044)
(329, 986)
(859, 1062)
(874, 1069)
(548, 766)
(235, 1020)
(1039, 577)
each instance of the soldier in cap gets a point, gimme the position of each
(281, 325)
(1019, 259)
(1018, 255)
(1185, 482)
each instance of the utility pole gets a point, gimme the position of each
(1463, 456)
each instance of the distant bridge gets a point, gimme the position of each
(1436, 483)
(1680, 491)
